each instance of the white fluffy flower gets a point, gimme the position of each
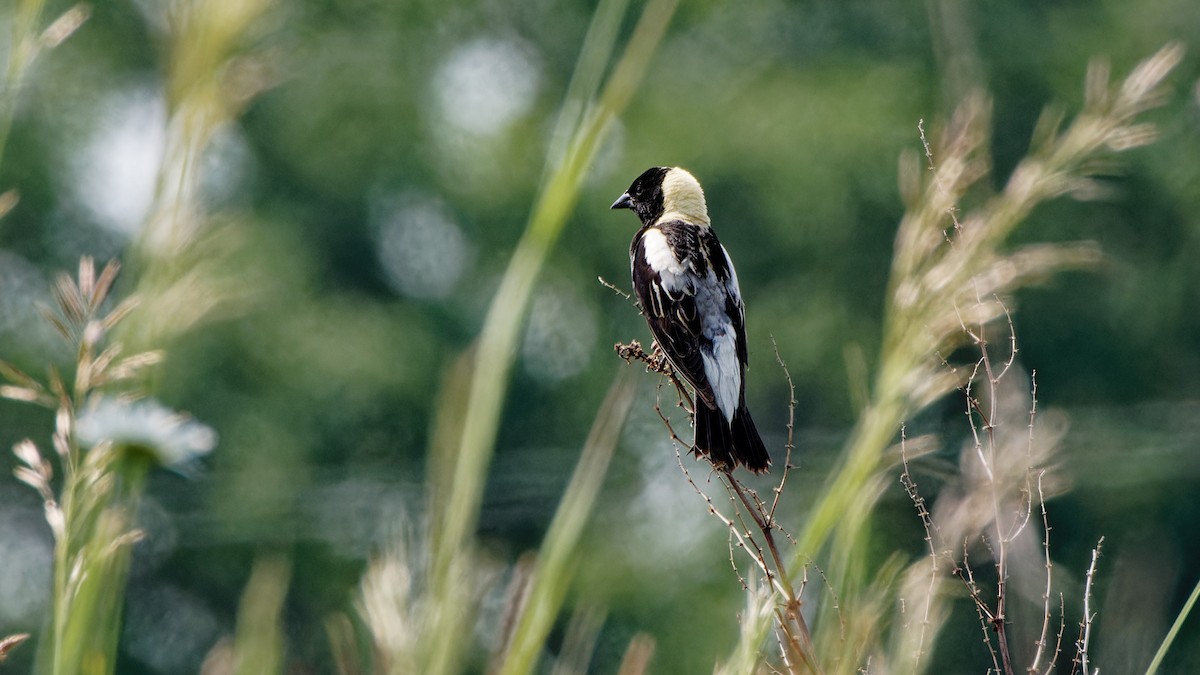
(173, 439)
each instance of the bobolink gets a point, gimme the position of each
(688, 292)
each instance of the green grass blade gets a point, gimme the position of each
(471, 455)
(1171, 634)
(553, 574)
(259, 647)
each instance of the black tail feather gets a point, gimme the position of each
(727, 445)
(714, 439)
(749, 448)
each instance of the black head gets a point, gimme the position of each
(645, 195)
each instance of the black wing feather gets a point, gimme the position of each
(673, 318)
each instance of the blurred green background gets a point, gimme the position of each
(368, 199)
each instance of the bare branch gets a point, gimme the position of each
(986, 618)
(614, 289)
(1085, 628)
(791, 427)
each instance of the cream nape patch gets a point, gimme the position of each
(683, 198)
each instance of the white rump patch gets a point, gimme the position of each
(724, 373)
(721, 367)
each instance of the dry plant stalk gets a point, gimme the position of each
(950, 271)
(993, 504)
(184, 256)
(1080, 663)
(987, 511)
(949, 280)
(27, 41)
(10, 643)
(91, 506)
(749, 519)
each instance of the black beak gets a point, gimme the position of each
(625, 202)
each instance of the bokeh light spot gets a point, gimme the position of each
(485, 84)
(168, 628)
(115, 173)
(26, 560)
(561, 334)
(24, 288)
(422, 250)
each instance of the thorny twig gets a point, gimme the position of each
(983, 412)
(910, 487)
(999, 620)
(986, 419)
(986, 618)
(605, 283)
(951, 211)
(791, 426)
(1062, 629)
(657, 362)
(1085, 626)
(1007, 519)
(1041, 642)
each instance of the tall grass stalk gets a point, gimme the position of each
(398, 607)
(1161, 654)
(467, 455)
(104, 448)
(22, 49)
(104, 441)
(950, 270)
(259, 646)
(178, 257)
(553, 570)
(27, 40)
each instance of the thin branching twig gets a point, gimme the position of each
(751, 525)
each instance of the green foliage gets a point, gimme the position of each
(400, 433)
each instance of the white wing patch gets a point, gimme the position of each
(662, 260)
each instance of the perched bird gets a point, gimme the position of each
(688, 292)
